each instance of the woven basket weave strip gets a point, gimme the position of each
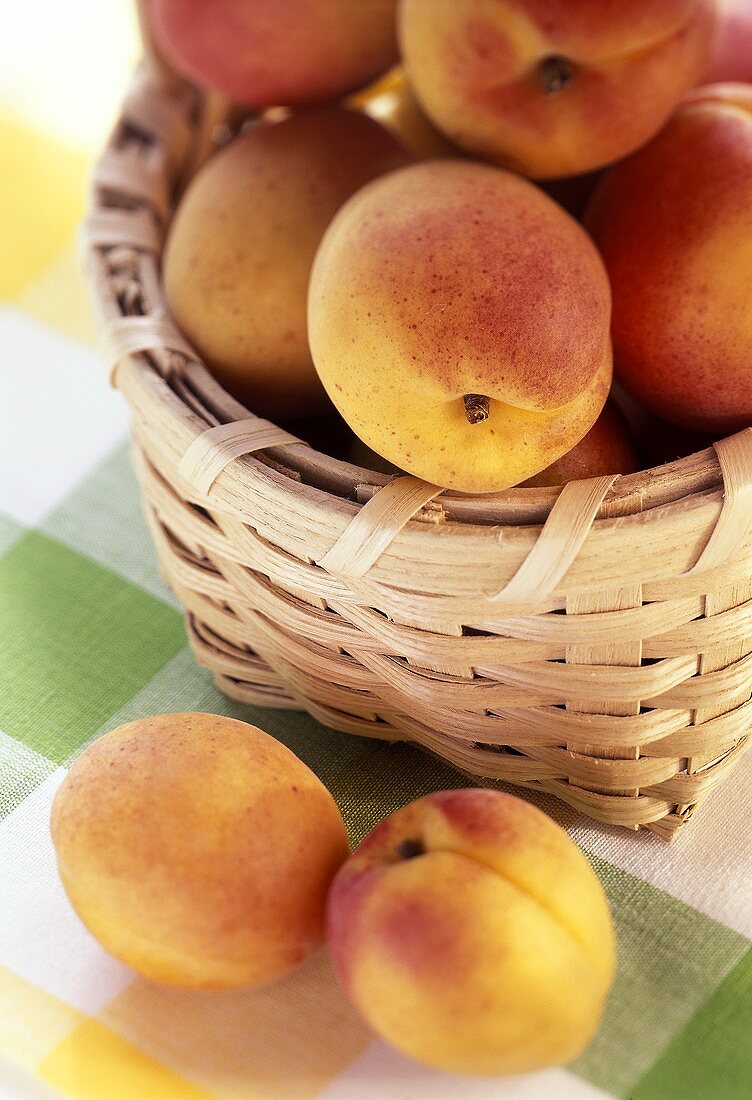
(593, 642)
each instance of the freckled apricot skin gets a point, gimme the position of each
(268, 53)
(477, 67)
(453, 277)
(240, 248)
(198, 850)
(490, 951)
(673, 225)
(608, 448)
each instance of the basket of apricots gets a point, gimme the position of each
(433, 319)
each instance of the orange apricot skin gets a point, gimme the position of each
(267, 53)
(479, 69)
(472, 934)
(608, 448)
(198, 850)
(238, 255)
(673, 224)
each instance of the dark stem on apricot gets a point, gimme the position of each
(556, 73)
(477, 407)
(409, 849)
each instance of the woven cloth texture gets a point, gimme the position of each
(90, 637)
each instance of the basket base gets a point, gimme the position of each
(244, 676)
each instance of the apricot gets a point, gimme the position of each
(553, 87)
(241, 245)
(198, 850)
(397, 108)
(673, 226)
(266, 53)
(732, 51)
(472, 934)
(459, 320)
(608, 448)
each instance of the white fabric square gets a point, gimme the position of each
(21, 770)
(709, 863)
(382, 1073)
(60, 416)
(19, 1083)
(41, 938)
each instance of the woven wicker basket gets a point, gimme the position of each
(594, 642)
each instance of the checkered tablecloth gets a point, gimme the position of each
(90, 637)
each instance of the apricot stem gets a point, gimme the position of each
(409, 849)
(556, 73)
(477, 407)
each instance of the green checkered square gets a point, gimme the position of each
(10, 532)
(671, 959)
(21, 770)
(101, 519)
(712, 1058)
(76, 641)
